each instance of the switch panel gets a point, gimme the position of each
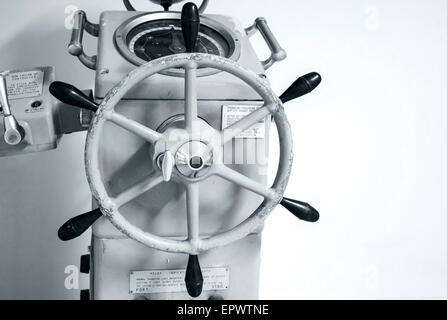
(34, 108)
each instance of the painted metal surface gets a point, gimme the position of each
(114, 260)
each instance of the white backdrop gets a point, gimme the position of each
(369, 142)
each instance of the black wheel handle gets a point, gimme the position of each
(71, 95)
(190, 25)
(303, 85)
(301, 210)
(193, 277)
(76, 226)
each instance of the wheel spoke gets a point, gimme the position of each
(135, 127)
(192, 209)
(243, 124)
(138, 189)
(190, 96)
(245, 182)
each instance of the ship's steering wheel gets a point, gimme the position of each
(190, 155)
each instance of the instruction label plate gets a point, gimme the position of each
(25, 84)
(168, 281)
(233, 113)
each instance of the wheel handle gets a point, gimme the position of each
(190, 22)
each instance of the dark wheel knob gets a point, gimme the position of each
(194, 278)
(301, 210)
(76, 226)
(71, 95)
(190, 25)
(303, 85)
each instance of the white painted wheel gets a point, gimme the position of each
(211, 144)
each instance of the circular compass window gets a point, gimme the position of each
(152, 36)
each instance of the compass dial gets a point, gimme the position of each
(160, 38)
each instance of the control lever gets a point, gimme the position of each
(76, 226)
(193, 277)
(14, 132)
(303, 85)
(301, 210)
(71, 95)
(190, 25)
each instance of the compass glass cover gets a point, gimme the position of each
(160, 38)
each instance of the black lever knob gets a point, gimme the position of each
(76, 226)
(301, 210)
(194, 278)
(71, 95)
(190, 25)
(303, 85)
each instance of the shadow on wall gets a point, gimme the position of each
(41, 44)
(41, 191)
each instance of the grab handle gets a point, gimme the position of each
(75, 47)
(278, 53)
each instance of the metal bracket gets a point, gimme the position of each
(75, 48)
(278, 53)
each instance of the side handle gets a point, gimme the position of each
(75, 47)
(278, 53)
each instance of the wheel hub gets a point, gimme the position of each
(193, 159)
